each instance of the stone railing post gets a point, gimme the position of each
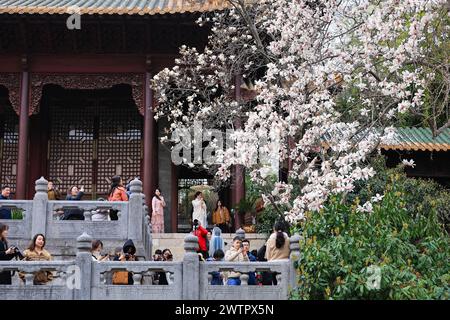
(240, 233)
(294, 258)
(39, 211)
(191, 269)
(84, 263)
(135, 211)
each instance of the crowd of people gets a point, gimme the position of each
(211, 245)
(211, 248)
(117, 192)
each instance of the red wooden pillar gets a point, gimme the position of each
(149, 183)
(22, 158)
(238, 191)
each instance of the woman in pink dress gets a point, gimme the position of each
(158, 205)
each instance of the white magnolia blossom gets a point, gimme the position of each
(367, 207)
(408, 163)
(304, 59)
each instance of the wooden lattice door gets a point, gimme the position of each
(9, 139)
(94, 141)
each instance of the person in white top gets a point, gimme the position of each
(199, 209)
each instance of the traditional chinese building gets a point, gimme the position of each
(76, 105)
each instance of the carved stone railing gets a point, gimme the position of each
(18, 228)
(244, 291)
(143, 288)
(85, 279)
(101, 229)
(23, 288)
(42, 216)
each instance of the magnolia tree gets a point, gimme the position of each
(317, 83)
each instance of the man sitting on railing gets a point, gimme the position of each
(238, 254)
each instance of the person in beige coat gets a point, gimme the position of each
(278, 244)
(235, 254)
(36, 252)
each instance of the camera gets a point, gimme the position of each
(17, 253)
(195, 222)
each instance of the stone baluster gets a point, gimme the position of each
(137, 277)
(29, 278)
(244, 279)
(191, 269)
(88, 213)
(294, 258)
(84, 263)
(39, 211)
(135, 211)
(240, 233)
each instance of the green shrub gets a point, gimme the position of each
(422, 197)
(17, 214)
(342, 245)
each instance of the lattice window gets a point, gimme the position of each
(71, 147)
(92, 140)
(9, 139)
(119, 145)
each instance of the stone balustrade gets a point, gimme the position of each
(85, 279)
(43, 216)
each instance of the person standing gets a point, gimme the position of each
(36, 252)
(158, 205)
(6, 253)
(216, 242)
(74, 194)
(278, 244)
(201, 234)
(252, 258)
(52, 192)
(117, 191)
(235, 254)
(199, 209)
(96, 251)
(221, 217)
(5, 213)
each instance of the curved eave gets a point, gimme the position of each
(417, 147)
(111, 11)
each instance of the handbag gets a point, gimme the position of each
(120, 277)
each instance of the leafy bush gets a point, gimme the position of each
(17, 214)
(422, 197)
(343, 248)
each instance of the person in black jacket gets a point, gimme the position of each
(128, 254)
(6, 253)
(75, 195)
(5, 213)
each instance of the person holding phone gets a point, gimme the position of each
(237, 253)
(96, 250)
(6, 253)
(74, 194)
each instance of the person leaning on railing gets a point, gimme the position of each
(36, 252)
(6, 253)
(74, 194)
(117, 192)
(277, 246)
(236, 254)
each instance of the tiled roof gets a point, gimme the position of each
(129, 7)
(419, 139)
